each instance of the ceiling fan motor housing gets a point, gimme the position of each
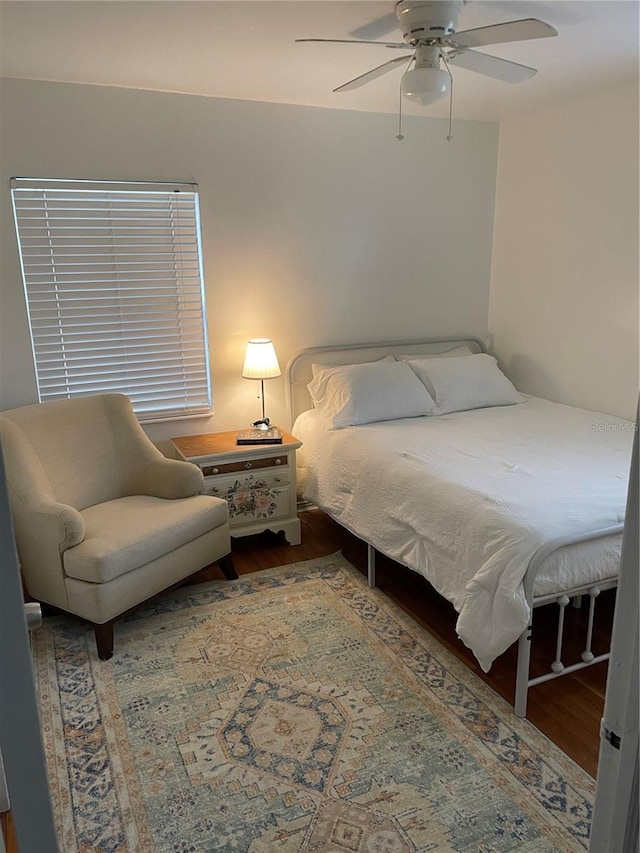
(427, 19)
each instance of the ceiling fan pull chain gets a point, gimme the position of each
(400, 136)
(450, 134)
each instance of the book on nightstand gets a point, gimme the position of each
(272, 435)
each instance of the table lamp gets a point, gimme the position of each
(261, 362)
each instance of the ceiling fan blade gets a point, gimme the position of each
(491, 66)
(371, 75)
(524, 30)
(395, 44)
(378, 28)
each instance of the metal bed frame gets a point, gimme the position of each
(298, 375)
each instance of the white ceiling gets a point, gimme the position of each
(245, 49)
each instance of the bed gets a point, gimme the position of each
(501, 508)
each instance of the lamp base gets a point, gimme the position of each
(260, 435)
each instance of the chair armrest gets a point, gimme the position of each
(62, 523)
(172, 478)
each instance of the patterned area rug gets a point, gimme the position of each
(291, 710)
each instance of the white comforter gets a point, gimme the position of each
(467, 499)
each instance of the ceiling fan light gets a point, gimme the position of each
(425, 85)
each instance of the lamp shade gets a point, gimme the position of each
(425, 85)
(260, 361)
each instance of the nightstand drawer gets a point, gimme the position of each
(212, 470)
(221, 486)
(252, 499)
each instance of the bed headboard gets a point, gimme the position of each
(299, 374)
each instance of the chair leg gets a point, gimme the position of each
(104, 640)
(227, 569)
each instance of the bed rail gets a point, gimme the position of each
(523, 681)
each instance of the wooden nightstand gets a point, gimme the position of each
(258, 481)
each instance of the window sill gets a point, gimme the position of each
(169, 418)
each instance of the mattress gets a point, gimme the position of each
(467, 499)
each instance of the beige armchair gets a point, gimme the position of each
(103, 521)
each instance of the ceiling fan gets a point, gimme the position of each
(429, 28)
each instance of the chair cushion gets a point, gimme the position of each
(126, 533)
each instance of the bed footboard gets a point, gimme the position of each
(562, 599)
(557, 667)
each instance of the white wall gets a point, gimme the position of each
(318, 226)
(564, 287)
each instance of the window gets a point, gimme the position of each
(115, 292)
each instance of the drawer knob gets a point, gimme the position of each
(248, 465)
(278, 461)
(214, 490)
(215, 470)
(277, 479)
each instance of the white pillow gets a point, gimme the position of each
(458, 384)
(450, 353)
(317, 368)
(364, 393)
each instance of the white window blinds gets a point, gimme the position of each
(114, 288)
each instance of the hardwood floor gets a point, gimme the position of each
(567, 710)
(8, 833)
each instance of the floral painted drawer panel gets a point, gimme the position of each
(252, 498)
